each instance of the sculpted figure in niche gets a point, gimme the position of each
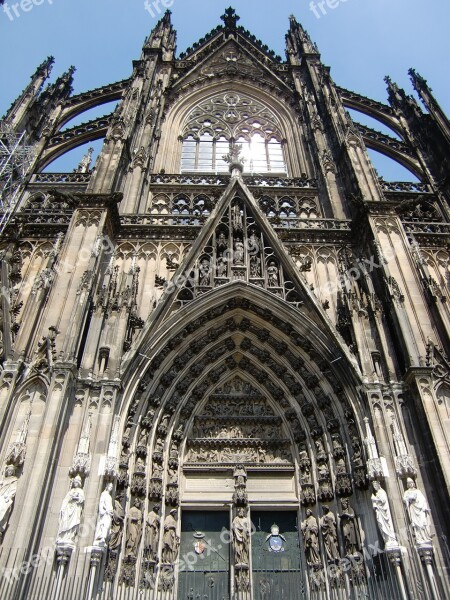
(310, 531)
(329, 533)
(8, 488)
(152, 533)
(134, 529)
(70, 514)
(238, 252)
(340, 466)
(115, 538)
(418, 511)
(255, 266)
(323, 471)
(221, 266)
(205, 273)
(142, 443)
(337, 442)
(319, 446)
(170, 539)
(222, 243)
(383, 514)
(350, 529)
(105, 516)
(241, 537)
(272, 274)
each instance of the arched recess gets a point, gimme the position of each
(294, 418)
(296, 157)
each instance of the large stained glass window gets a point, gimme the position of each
(213, 125)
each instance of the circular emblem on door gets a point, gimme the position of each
(275, 539)
(199, 547)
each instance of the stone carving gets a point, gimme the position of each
(82, 460)
(70, 514)
(272, 274)
(134, 529)
(204, 273)
(238, 454)
(383, 515)
(230, 429)
(240, 485)
(310, 531)
(350, 529)
(172, 486)
(141, 447)
(116, 531)
(419, 513)
(329, 534)
(17, 450)
(105, 515)
(8, 488)
(241, 538)
(338, 449)
(238, 252)
(151, 538)
(111, 466)
(170, 540)
(255, 266)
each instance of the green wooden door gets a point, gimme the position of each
(277, 569)
(204, 556)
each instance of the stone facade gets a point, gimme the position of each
(224, 348)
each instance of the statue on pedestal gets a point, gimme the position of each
(105, 515)
(70, 514)
(419, 513)
(383, 514)
(241, 537)
(8, 488)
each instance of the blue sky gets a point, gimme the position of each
(362, 40)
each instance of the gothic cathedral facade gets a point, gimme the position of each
(224, 348)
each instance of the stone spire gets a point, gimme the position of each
(16, 114)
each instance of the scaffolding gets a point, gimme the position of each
(16, 158)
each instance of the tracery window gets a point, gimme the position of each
(215, 123)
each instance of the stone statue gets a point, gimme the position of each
(255, 266)
(115, 538)
(205, 273)
(221, 266)
(134, 529)
(170, 539)
(241, 537)
(329, 533)
(383, 514)
(70, 514)
(8, 488)
(272, 275)
(105, 516)
(238, 252)
(152, 533)
(419, 512)
(310, 531)
(349, 528)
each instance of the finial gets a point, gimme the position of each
(417, 80)
(230, 18)
(233, 158)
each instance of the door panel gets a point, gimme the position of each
(277, 569)
(204, 555)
